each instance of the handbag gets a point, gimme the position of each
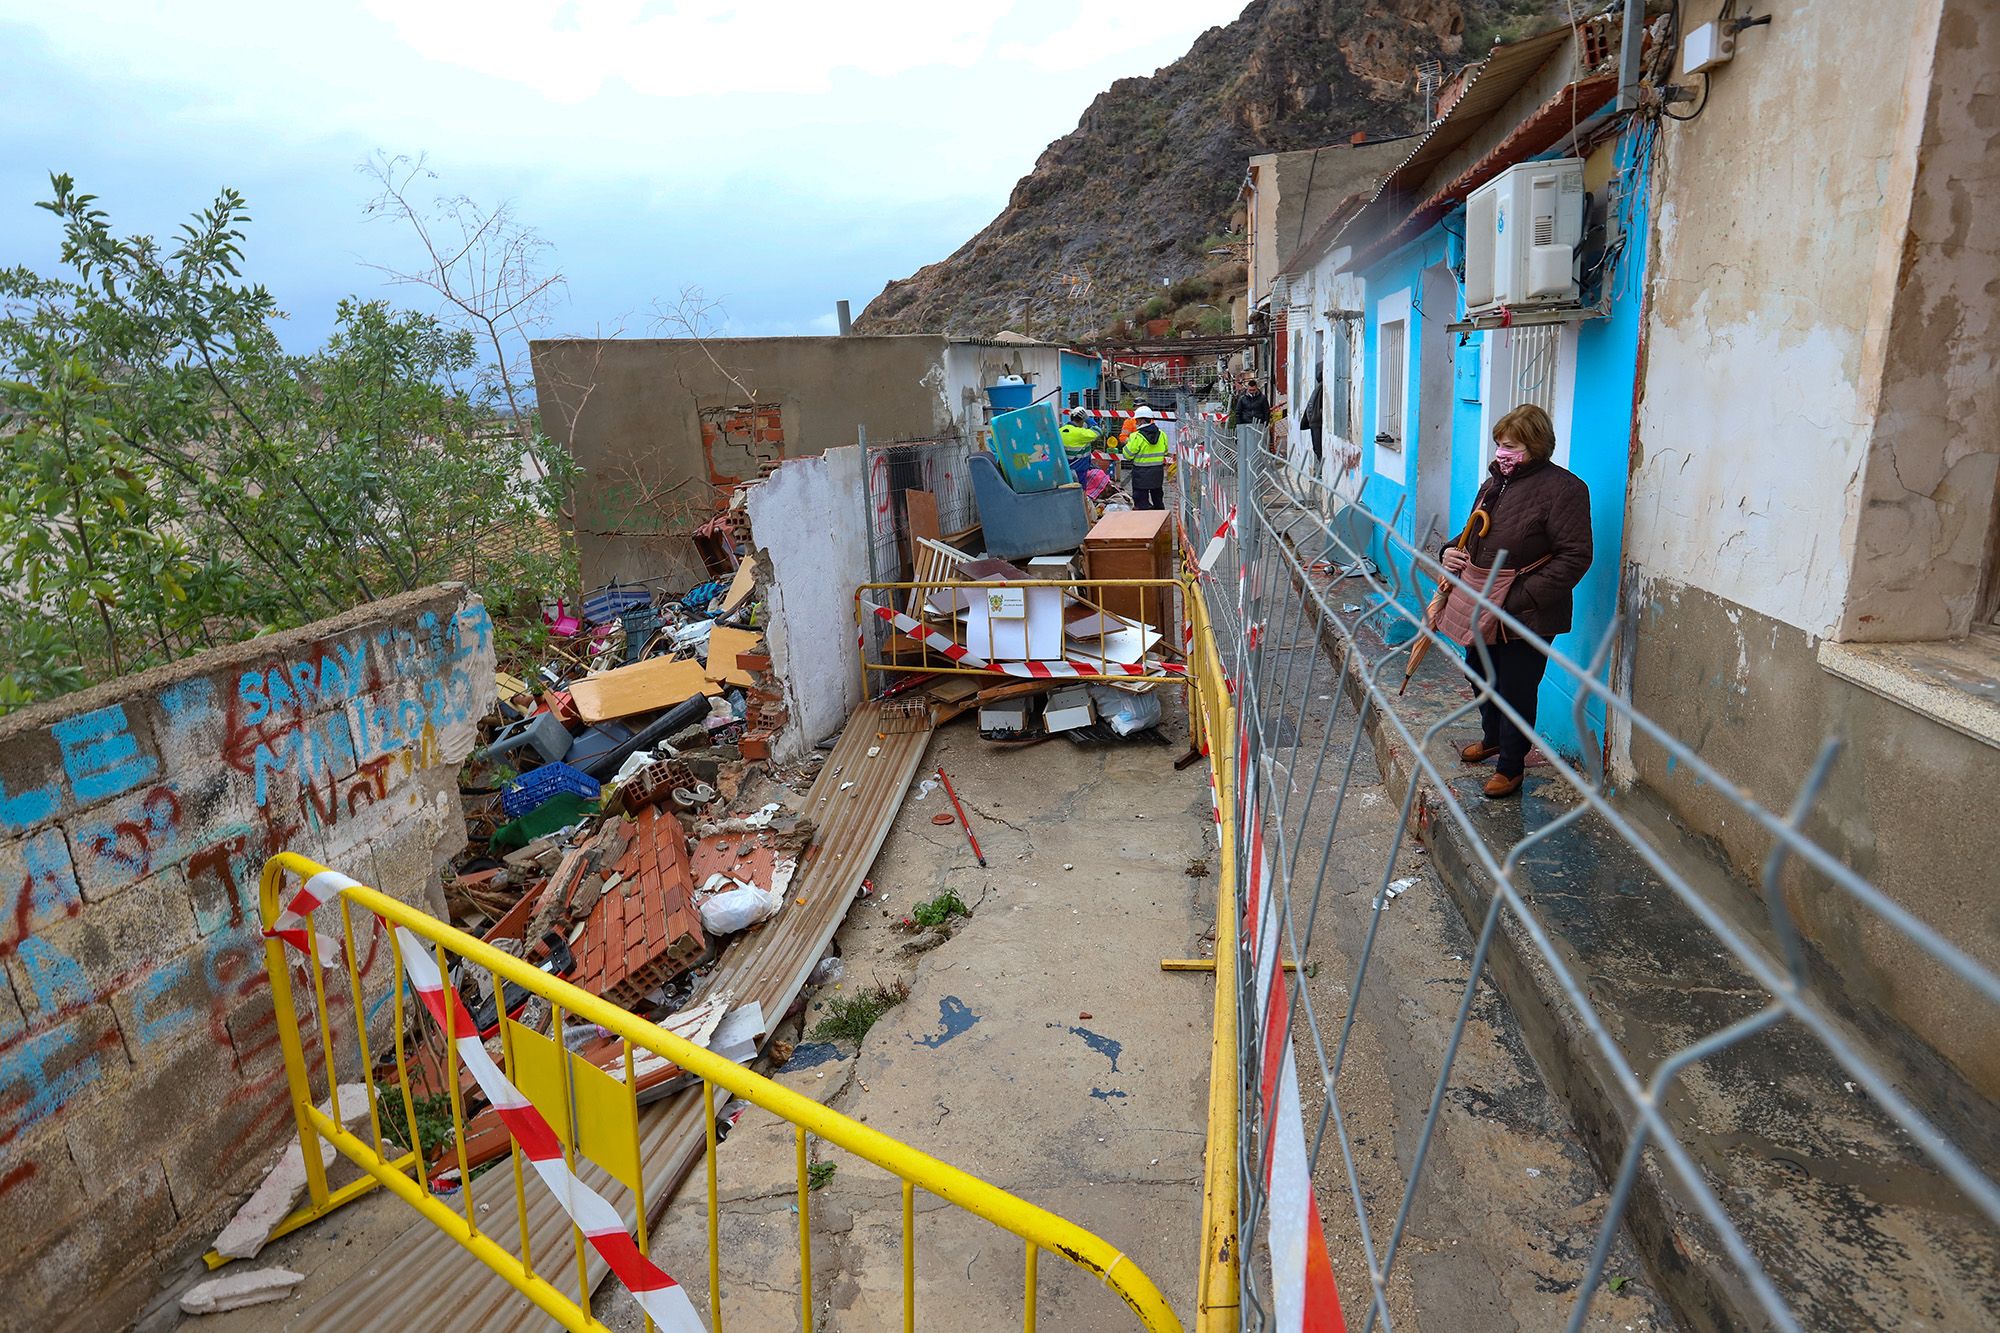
(1443, 593)
(1463, 617)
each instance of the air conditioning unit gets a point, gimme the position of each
(1521, 233)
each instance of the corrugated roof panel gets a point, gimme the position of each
(1505, 71)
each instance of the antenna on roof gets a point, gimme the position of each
(1429, 75)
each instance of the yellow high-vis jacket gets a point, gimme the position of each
(1140, 451)
(1078, 439)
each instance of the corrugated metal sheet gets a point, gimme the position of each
(1506, 71)
(429, 1281)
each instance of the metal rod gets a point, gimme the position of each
(963, 822)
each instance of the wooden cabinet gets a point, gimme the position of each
(1133, 544)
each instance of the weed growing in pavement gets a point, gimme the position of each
(819, 1175)
(848, 1017)
(938, 911)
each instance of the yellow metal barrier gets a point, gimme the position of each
(1216, 1299)
(984, 604)
(404, 1173)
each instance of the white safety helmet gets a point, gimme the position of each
(1144, 413)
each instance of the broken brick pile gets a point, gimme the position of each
(644, 930)
(766, 713)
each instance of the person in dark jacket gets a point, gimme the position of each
(1539, 515)
(1251, 408)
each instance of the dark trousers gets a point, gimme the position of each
(1079, 467)
(1517, 677)
(1148, 487)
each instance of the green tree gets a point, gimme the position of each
(183, 481)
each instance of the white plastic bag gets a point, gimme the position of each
(1125, 711)
(739, 909)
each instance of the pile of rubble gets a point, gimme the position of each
(624, 829)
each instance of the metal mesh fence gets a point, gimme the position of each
(1310, 594)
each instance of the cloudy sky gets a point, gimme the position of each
(777, 154)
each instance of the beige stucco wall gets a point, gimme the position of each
(1924, 535)
(629, 412)
(1814, 459)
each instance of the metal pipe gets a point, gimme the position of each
(1629, 39)
(846, 320)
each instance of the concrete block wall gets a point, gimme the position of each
(141, 1086)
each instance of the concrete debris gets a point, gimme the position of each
(278, 1193)
(238, 1288)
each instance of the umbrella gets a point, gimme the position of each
(1441, 597)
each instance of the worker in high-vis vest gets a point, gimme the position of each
(1077, 440)
(1146, 451)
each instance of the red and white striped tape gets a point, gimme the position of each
(1119, 414)
(1213, 551)
(658, 1294)
(294, 924)
(1301, 1270)
(1051, 670)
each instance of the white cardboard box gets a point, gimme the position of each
(1068, 709)
(1005, 715)
(1015, 624)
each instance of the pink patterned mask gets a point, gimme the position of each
(1506, 457)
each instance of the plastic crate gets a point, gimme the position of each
(529, 790)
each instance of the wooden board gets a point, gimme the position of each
(921, 507)
(1140, 526)
(739, 587)
(723, 645)
(658, 682)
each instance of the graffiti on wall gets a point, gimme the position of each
(150, 828)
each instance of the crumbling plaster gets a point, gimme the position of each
(1769, 320)
(806, 523)
(1925, 528)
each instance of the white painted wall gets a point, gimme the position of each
(806, 520)
(970, 367)
(1774, 273)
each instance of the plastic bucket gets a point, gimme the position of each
(1009, 397)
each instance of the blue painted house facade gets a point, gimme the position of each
(1384, 297)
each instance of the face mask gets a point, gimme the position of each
(1507, 457)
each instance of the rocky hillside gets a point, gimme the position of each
(1072, 255)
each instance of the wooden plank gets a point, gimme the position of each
(921, 506)
(658, 682)
(739, 587)
(723, 645)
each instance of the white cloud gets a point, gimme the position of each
(567, 50)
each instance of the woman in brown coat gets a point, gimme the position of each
(1538, 514)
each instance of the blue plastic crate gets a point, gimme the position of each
(532, 788)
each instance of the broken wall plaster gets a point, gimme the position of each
(1771, 344)
(807, 521)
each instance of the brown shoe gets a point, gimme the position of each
(1501, 785)
(1478, 752)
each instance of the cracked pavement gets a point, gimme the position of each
(1041, 1049)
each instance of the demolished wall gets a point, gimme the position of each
(806, 521)
(141, 1083)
